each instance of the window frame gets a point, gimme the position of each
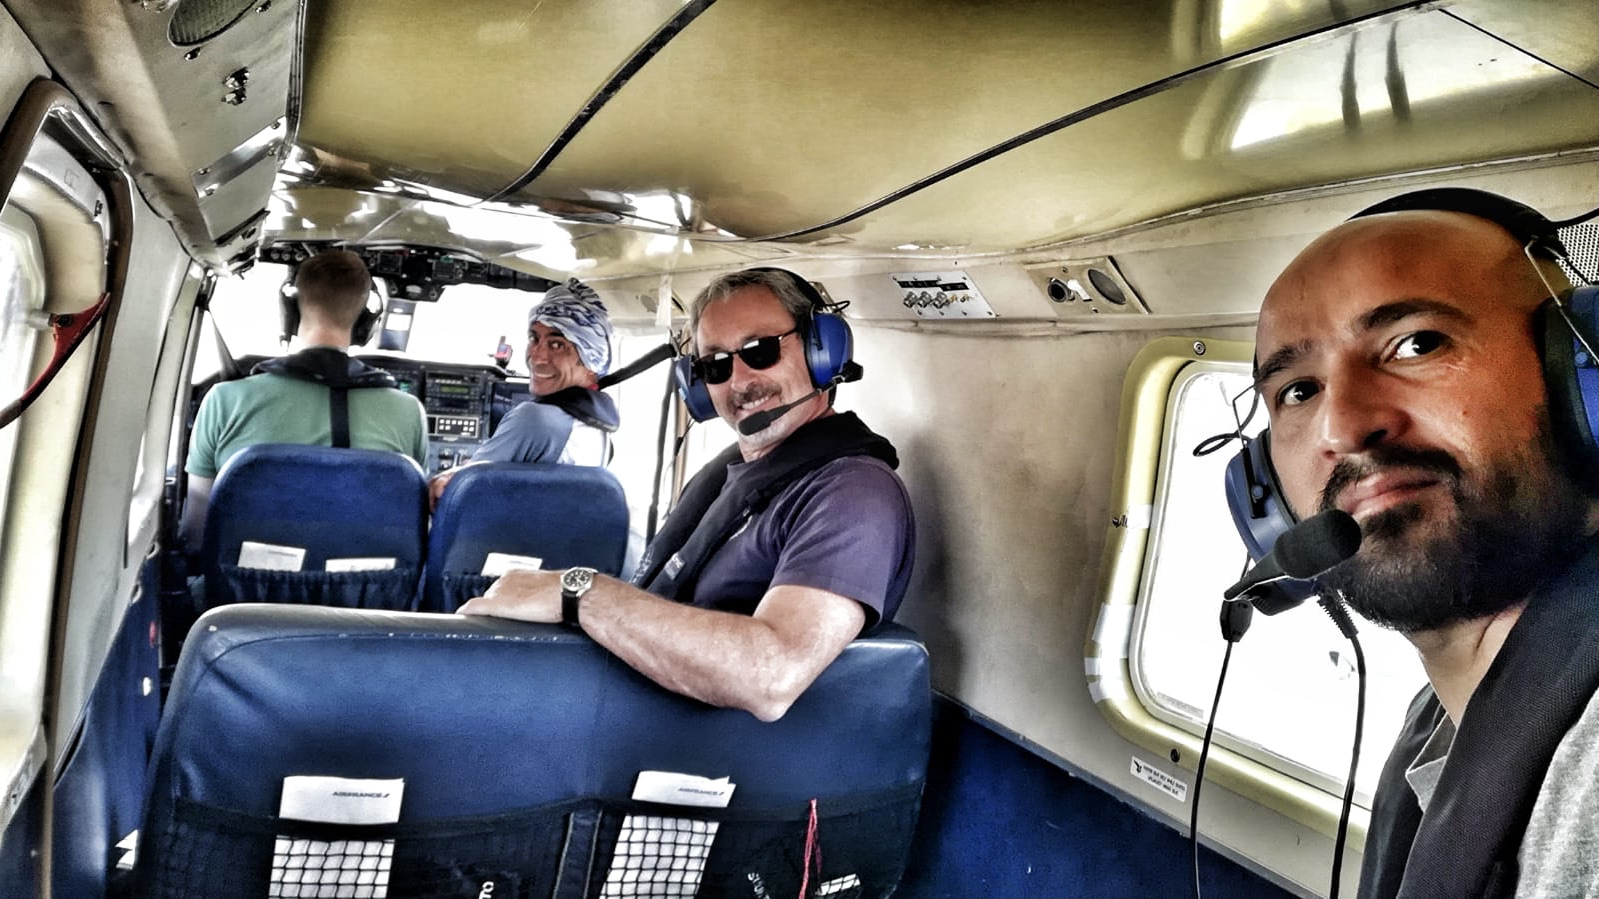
(1143, 429)
(50, 140)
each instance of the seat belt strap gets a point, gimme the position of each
(339, 415)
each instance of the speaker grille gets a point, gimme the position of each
(1582, 242)
(198, 21)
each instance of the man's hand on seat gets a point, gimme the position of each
(436, 485)
(521, 593)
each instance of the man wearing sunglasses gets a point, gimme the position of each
(781, 551)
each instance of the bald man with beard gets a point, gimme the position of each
(1399, 360)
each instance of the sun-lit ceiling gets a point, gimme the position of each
(635, 136)
(909, 124)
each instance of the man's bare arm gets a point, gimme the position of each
(759, 663)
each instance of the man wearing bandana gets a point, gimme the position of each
(569, 420)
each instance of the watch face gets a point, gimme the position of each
(577, 580)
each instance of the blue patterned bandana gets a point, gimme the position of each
(575, 310)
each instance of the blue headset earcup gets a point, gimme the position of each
(1253, 495)
(828, 346)
(1571, 373)
(1261, 515)
(695, 396)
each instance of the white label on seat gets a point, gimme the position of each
(682, 789)
(271, 557)
(361, 564)
(335, 869)
(130, 851)
(341, 800)
(496, 564)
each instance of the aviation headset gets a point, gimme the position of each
(1564, 329)
(366, 323)
(829, 350)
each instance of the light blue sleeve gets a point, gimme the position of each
(531, 432)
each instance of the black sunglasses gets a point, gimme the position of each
(762, 352)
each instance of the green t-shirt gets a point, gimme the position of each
(269, 408)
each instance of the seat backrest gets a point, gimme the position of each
(316, 525)
(515, 750)
(562, 515)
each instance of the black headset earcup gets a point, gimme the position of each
(366, 324)
(1571, 374)
(290, 313)
(693, 391)
(829, 346)
(1260, 512)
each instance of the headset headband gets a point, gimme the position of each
(1530, 227)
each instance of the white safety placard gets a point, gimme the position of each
(683, 789)
(270, 556)
(335, 869)
(1160, 780)
(497, 564)
(360, 564)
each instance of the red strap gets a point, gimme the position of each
(813, 853)
(69, 329)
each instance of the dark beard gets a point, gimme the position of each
(1522, 524)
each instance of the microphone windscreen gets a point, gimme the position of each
(759, 421)
(1318, 543)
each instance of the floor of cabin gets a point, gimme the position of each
(998, 820)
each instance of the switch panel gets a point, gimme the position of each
(941, 295)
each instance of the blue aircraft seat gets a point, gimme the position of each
(316, 525)
(490, 757)
(560, 515)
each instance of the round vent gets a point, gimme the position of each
(1107, 287)
(198, 21)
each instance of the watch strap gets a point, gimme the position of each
(569, 603)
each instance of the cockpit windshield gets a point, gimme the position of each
(465, 326)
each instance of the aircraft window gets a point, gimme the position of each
(21, 294)
(1289, 700)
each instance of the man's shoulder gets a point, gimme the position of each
(390, 395)
(855, 469)
(859, 481)
(535, 415)
(250, 389)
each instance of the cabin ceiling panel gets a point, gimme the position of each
(1563, 32)
(810, 117)
(1403, 96)
(20, 64)
(519, 239)
(464, 95)
(176, 111)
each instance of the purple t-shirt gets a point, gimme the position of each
(846, 528)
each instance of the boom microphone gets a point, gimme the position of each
(760, 421)
(757, 422)
(1304, 551)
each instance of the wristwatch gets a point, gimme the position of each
(574, 583)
